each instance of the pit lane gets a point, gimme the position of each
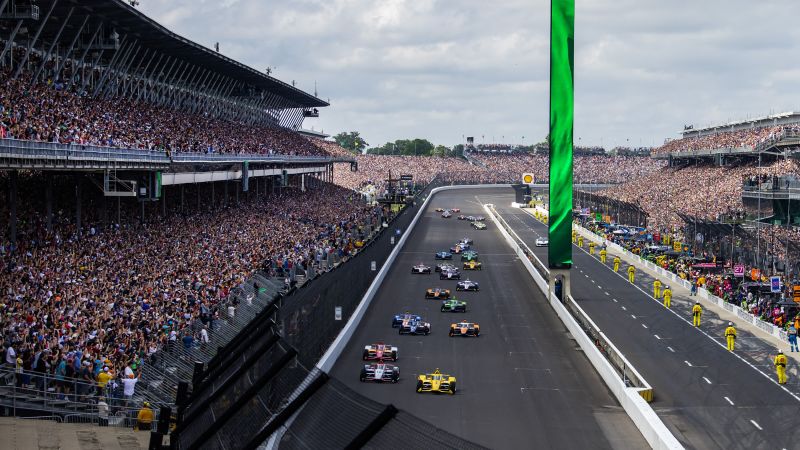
(523, 383)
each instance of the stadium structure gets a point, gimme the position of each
(101, 53)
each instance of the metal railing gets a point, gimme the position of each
(29, 394)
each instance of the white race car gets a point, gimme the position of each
(541, 242)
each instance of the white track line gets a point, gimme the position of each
(671, 349)
(688, 363)
(729, 401)
(707, 380)
(656, 336)
(755, 424)
(644, 325)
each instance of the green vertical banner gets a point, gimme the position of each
(562, 61)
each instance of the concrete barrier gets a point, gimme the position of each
(632, 399)
(335, 350)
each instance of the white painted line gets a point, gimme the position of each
(606, 292)
(634, 317)
(615, 300)
(656, 336)
(671, 349)
(644, 325)
(729, 401)
(593, 282)
(687, 363)
(755, 424)
(707, 380)
(624, 308)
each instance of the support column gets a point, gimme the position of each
(163, 202)
(141, 220)
(198, 185)
(225, 198)
(78, 223)
(119, 211)
(48, 201)
(183, 207)
(12, 207)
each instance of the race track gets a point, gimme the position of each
(522, 384)
(708, 397)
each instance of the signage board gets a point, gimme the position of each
(406, 177)
(775, 284)
(337, 313)
(738, 270)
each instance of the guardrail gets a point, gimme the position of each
(627, 385)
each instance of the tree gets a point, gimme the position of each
(351, 141)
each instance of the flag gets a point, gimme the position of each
(562, 57)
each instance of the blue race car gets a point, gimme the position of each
(415, 327)
(400, 318)
(444, 255)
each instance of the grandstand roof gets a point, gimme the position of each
(131, 22)
(756, 122)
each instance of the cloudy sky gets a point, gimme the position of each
(441, 70)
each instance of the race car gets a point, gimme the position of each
(439, 209)
(455, 210)
(380, 373)
(421, 269)
(379, 352)
(415, 327)
(437, 293)
(453, 305)
(399, 318)
(452, 274)
(458, 248)
(462, 217)
(469, 255)
(444, 266)
(466, 240)
(467, 285)
(447, 214)
(479, 218)
(541, 242)
(471, 218)
(443, 255)
(465, 329)
(479, 225)
(472, 265)
(436, 382)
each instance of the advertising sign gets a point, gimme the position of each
(738, 270)
(775, 284)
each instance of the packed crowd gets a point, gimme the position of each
(703, 191)
(96, 303)
(586, 169)
(51, 112)
(752, 138)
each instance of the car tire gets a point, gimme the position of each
(365, 355)
(363, 376)
(394, 356)
(452, 388)
(450, 333)
(419, 386)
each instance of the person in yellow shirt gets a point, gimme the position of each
(780, 367)
(667, 297)
(697, 313)
(591, 248)
(730, 336)
(102, 380)
(144, 420)
(580, 241)
(603, 254)
(657, 289)
(631, 273)
(574, 238)
(616, 263)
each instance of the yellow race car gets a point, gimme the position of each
(436, 382)
(472, 265)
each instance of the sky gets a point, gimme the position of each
(444, 70)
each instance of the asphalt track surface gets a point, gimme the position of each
(524, 383)
(708, 397)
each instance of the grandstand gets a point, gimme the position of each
(760, 139)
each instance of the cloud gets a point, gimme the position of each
(442, 69)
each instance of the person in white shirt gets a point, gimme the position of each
(203, 336)
(102, 412)
(11, 356)
(128, 387)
